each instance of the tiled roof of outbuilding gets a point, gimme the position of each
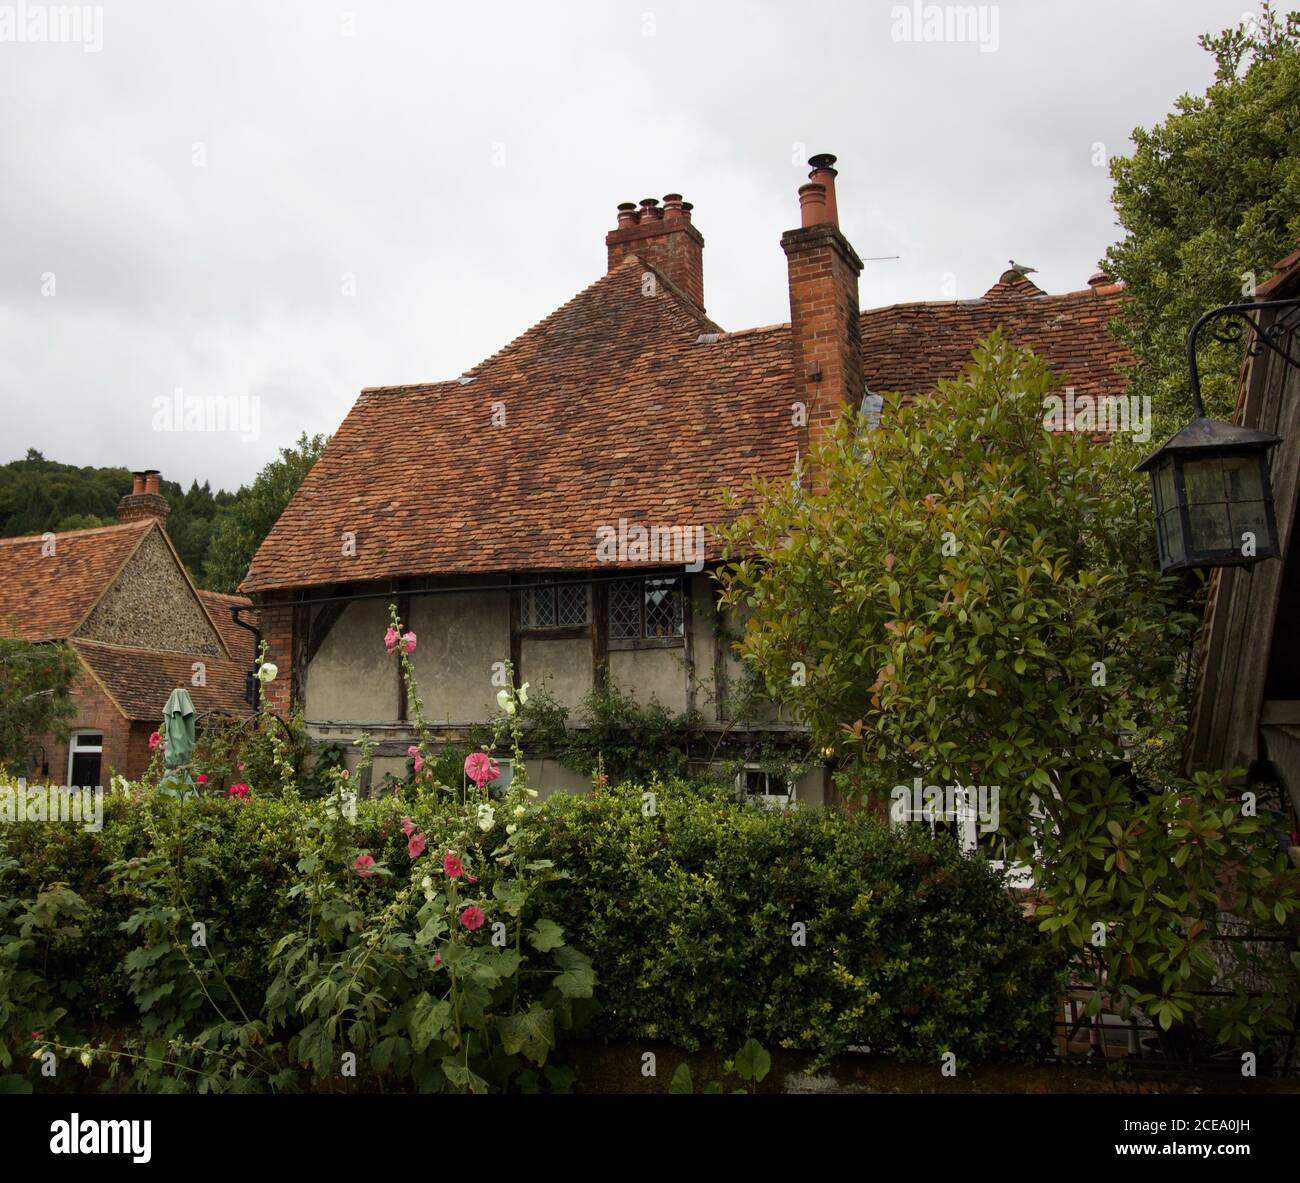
(43, 597)
(141, 680)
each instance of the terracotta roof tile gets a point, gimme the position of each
(44, 597)
(906, 348)
(239, 642)
(613, 409)
(140, 680)
(618, 404)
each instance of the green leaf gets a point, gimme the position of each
(315, 1048)
(577, 979)
(429, 1019)
(545, 936)
(752, 1061)
(530, 1034)
(681, 1082)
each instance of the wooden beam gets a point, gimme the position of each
(599, 635)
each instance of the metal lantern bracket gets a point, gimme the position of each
(1228, 324)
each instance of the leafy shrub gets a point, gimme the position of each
(689, 904)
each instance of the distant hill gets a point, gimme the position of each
(37, 495)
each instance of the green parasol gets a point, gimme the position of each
(178, 728)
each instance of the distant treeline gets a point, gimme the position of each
(215, 534)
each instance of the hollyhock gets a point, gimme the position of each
(363, 864)
(415, 847)
(407, 826)
(201, 779)
(472, 918)
(408, 642)
(154, 740)
(452, 866)
(240, 791)
(481, 768)
(391, 638)
(471, 878)
(437, 959)
(486, 817)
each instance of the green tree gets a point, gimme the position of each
(241, 527)
(1210, 201)
(962, 596)
(35, 698)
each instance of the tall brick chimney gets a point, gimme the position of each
(665, 238)
(825, 333)
(144, 500)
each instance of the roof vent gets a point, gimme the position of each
(466, 379)
(708, 338)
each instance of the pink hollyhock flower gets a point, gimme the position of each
(363, 864)
(154, 740)
(408, 642)
(429, 775)
(201, 779)
(481, 768)
(415, 847)
(407, 826)
(437, 960)
(240, 791)
(391, 637)
(471, 878)
(453, 866)
(344, 774)
(472, 918)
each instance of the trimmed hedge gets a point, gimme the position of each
(688, 913)
(690, 916)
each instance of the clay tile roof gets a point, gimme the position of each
(614, 408)
(44, 597)
(908, 347)
(140, 680)
(239, 642)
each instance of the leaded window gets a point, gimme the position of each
(548, 605)
(643, 609)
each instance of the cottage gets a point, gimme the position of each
(508, 512)
(121, 598)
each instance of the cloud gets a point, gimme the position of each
(290, 202)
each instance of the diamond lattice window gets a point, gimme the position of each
(663, 608)
(556, 607)
(625, 610)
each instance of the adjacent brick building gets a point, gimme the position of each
(120, 597)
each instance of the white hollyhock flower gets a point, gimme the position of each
(523, 694)
(505, 702)
(487, 817)
(267, 671)
(519, 811)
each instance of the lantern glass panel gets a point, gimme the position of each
(1171, 532)
(1203, 480)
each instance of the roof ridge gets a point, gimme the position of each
(143, 523)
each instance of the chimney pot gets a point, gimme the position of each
(137, 483)
(627, 215)
(151, 479)
(672, 205)
(650, 208)
(812, 203)
(823, 172)
(145, 500)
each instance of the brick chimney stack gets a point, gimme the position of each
(825, 333)
(665, 238)
(144, 500)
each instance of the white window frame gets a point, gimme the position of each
(75, 749)
(785, 800)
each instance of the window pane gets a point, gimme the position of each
(539, 607)
(1209, 525)
(87, 740)
(1204, 481)
(572, 604)
(663, 608)
(625, 609)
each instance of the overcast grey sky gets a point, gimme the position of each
(290, 201)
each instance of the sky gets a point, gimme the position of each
(253, 210)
